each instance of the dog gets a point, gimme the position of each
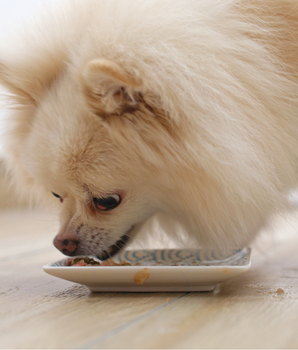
(126, 110)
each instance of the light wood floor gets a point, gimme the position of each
(40, 311)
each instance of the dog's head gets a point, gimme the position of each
(121, 122)
(97, 141)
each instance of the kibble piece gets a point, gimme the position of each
(68, 261)
(80, 263)
(279, 290)
(109, 262)
(141, 276)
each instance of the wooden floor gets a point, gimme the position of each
(40, 311)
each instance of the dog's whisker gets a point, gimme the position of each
(135, 240)
(116, 245)
(110, 257)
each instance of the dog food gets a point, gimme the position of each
(279, 291)
(141, 276)
(86, 261)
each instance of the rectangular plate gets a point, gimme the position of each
(173, 270)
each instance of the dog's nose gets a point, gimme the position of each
(66, 246)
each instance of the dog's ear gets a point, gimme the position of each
(108, 88)
(26, 79)
(18, 88)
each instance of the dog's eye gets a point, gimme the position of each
(57, 196)
(107, 203)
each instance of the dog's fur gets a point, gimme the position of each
(188, 108)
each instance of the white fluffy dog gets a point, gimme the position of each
(128, 108)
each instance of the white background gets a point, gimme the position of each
(12, 12)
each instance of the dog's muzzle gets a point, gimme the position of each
(116, 247)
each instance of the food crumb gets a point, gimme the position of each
(141, 276)
(168, 300)
(279, 290)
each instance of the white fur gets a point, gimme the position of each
(228, 154)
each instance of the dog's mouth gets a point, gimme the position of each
(116, 247)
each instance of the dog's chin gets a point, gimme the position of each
(116, 247)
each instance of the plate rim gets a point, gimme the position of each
(155, 267)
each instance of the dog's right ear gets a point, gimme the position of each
(108, 88)
(26, 79)
(18, 88)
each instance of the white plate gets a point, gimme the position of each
(193, 270)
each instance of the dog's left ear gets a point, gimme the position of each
(108, 88)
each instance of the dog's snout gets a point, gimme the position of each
(67, 246)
